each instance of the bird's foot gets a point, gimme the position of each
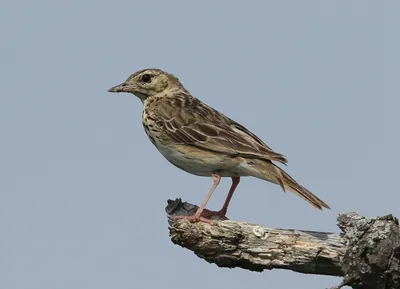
(204, 216)
(220, 214)
(194, 219)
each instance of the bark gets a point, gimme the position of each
(366, 253)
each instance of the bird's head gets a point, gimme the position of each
(148, 82)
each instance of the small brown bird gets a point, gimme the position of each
(202, 141)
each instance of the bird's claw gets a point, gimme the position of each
(194, 219)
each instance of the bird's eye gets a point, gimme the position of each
(146, 78)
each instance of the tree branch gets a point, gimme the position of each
(366, 254)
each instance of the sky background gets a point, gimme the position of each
(83, 191)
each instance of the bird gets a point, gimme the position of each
(202, 141)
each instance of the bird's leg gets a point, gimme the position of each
(222, 213)
(235, 183)
(197, 217)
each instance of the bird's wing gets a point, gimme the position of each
(186, 120)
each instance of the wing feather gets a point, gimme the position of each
(189, 121)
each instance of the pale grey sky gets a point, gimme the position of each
(83, 191)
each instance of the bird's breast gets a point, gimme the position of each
(187, 157)
(193, 160)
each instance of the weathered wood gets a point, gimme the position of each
(366, 254)
(372, 259)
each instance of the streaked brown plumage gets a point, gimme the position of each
(202, 141)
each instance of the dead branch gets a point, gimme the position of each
(366, 254)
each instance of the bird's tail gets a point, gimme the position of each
(272, 173)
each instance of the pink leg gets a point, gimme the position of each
(197, 216)
(222, 213)
(235, 183)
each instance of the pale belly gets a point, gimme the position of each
(200, 162)
(191, 162)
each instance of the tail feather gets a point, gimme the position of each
(294, 187)
(271, 172)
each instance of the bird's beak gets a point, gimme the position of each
(123, 87)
